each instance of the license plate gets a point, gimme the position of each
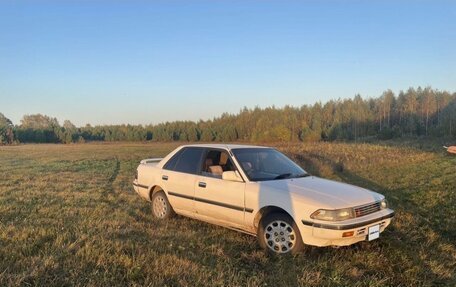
(374, 232)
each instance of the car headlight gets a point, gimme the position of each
(333, 215)
(383, 204)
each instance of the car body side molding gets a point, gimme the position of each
(140, 185)
(240, 208)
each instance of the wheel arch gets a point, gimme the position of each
(265, 211)
(153, 190)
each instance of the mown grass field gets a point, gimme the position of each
(69, 217)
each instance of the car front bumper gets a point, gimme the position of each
(320, 233)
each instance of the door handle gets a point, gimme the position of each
(164, 177)
(202, 184)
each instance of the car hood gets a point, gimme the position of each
(323, 192)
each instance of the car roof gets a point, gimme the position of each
(225, 146)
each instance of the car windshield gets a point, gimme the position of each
(261, 164)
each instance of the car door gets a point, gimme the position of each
(179, 176)
(217, 199)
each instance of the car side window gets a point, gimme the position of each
(189, 161)
(171, 163)
(216, 162)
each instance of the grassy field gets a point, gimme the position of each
(68, 216)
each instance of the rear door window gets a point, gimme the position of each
(189, 160)
(171, 163)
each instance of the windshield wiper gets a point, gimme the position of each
(302, 175)
(282, 176)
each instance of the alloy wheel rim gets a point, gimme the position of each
(280, 236)
(160, 207)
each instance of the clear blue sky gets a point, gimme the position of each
(136, 62)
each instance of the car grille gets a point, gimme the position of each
(367, 209)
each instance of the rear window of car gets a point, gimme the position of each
(188, 160)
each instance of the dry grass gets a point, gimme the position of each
(68, 216)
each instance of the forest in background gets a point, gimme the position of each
(415, 112)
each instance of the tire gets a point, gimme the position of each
(161, 209)
(278, 234)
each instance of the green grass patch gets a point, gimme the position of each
(69, 216)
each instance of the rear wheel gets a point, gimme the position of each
(279, 234)
(161, 208)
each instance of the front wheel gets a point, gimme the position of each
(161, 208)
(279, 234)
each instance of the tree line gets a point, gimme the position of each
(414, 112)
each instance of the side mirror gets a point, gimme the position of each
(231, 176)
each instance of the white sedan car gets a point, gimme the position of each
(260, 191)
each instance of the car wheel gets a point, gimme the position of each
(161, 208)
(279, 234)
